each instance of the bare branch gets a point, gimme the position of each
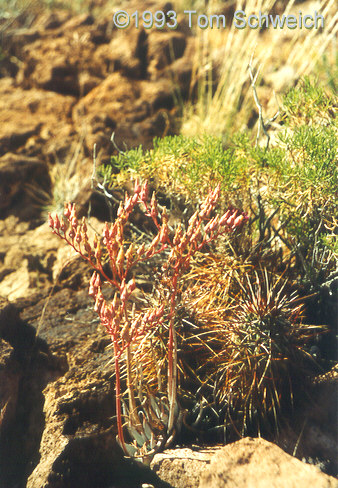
(262, 125)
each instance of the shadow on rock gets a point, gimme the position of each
(26, 367)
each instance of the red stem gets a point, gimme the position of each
(118, 397)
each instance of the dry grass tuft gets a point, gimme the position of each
(222, 57)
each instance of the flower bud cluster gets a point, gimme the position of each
(74, 232)
(201, 230)
(184, 244)
(112, 315)
(115, 315)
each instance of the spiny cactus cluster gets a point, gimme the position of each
(246, 352)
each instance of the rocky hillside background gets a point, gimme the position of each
(68, 82)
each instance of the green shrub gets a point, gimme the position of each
(290, 188)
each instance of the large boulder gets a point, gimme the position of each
(248, 463)
(257, 463)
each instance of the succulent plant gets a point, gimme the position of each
(151, 424)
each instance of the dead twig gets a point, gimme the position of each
(262, 124)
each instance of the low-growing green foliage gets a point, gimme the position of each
(308, 103)
(291, 188)
(183, 164)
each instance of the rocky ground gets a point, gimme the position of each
(66, 83)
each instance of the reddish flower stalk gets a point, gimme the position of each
(123, 326)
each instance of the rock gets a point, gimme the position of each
(15, 331)
(14, 129)
(244, 464)
(75, 407)
(73, 440)
(27, 258)
(75, 415)
(8, 67)
(313, 433)
(258, 463)
(55, 64)
(123, 105)
(17, 282)
(126, 53)
(26, 366)
(31, 119)
(164, 48)
(182, 467)
(109, 71)
(21, 178)
(89, 461)
(32, 258)
(9, 380)
(22, 30)
(15, 39)
(87, 82)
